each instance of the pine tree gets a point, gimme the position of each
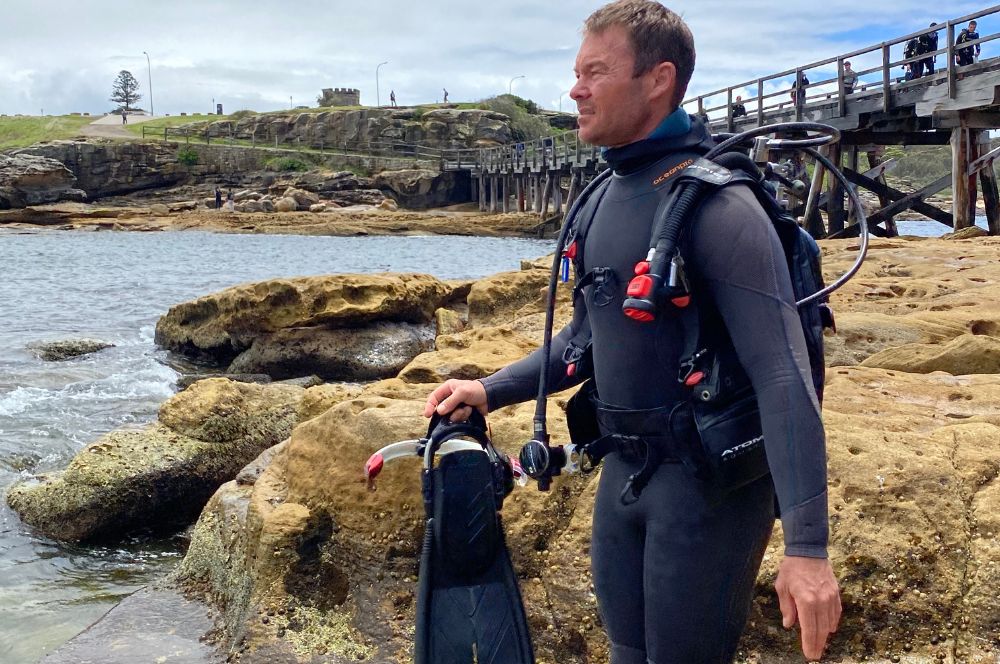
(125, 90)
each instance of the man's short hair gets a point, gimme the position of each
(656, 34)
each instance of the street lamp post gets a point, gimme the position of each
(561, 95)
(149, 77)
(510, 86)
(378, 93)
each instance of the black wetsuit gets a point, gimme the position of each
(674, 572)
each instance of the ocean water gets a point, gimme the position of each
(112, 287)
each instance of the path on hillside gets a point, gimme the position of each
(110, 126)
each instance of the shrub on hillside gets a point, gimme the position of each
(524, 123)
(286, 164)
(187, 156)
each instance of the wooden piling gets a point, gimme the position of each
(960, 177)
(835, 197)
(813, 219)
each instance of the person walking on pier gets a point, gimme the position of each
(969, 54)
(674, 571)
(850, 78)
(929, 44)
(799, 89)
(914, 69)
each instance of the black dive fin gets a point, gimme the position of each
(469, 607)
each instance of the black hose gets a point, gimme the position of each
(540, 433)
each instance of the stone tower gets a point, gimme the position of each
(340, 97)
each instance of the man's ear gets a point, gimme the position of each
(663, 78)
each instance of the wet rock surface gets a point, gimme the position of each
(159, 477)
(153, 625)
(56, 351)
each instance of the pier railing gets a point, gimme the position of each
(776, 92)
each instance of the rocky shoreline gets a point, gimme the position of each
(302, 564)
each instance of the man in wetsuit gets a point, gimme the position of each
(674, 571)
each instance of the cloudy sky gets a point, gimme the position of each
(62, 55)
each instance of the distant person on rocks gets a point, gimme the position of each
(124, 117)
(392, 98)
(929, 44)
(230, 204)
(445, 95)
(218, 198)
(969, 54)
(739, 110)
(850, 78)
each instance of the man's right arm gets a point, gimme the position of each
(514, 383)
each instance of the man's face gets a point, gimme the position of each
(613, 104)
(972, 26)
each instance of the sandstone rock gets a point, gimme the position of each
(110, 168)
(184, 382)
(303, 199)
(55, 351)
(467, 355)
(222, 325)
(388, 204)
(318, 207)
(438, 128)
(419, 189)
(448, 322)
(317, 400)
(183, 206)
(967, 354)
(245, 195)
(378, 350)
(159, 210)
(495, 298)
(253, 206)
(967, 233)
(286, 205)
(27, 179)
(337, 601)
(268, 206)
(160, 476)
(913, 476)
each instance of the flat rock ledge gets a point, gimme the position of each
(341, 327)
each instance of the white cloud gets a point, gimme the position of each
(63, 54)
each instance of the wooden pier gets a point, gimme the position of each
(955, 106)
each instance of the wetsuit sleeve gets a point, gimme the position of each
(519, 381)
(738, 256)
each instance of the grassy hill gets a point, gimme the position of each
(19, 132)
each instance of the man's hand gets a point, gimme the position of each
(808, 595)
(447, 397)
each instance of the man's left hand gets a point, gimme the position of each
(808, 595)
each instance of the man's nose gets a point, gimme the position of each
(578, 91)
